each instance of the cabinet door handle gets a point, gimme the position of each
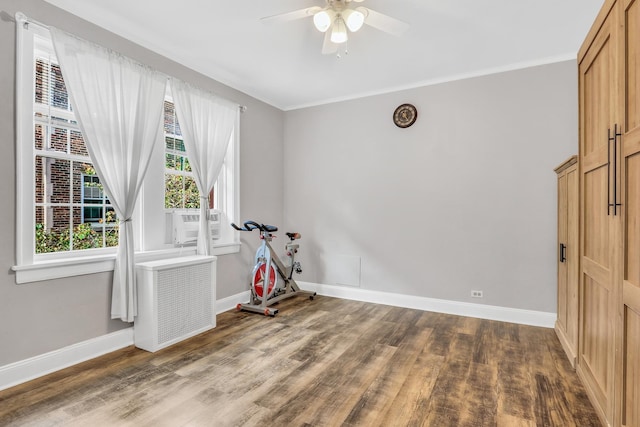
(563, 252)
(616, 135)
(612, 138)
(609, 140)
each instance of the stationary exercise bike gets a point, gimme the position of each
(265, 290)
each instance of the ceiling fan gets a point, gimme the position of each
(337, 19)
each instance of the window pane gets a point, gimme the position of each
(39, 216)
(87, 187)
(77, 144)
(58, 139)
(84, 236)
(177, 163)
(170, 143)
(174, 185)
(39, 137)
(171, 125)
(79, 184)
(52, 180)
(58, 218)
(111, 237)
(52, 235)
(50, 89)
(39, 181)
(110, 228)
(101, 231)
(171, 162)
(58, 180)
(181, 192)
(191, 193)
(41, 81)
(59, 96)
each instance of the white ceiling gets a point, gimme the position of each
(281, 64)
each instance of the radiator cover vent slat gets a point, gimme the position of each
(175, 300)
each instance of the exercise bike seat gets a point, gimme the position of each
(293, 236)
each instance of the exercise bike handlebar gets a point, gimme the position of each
(265, 228)
(252, 225)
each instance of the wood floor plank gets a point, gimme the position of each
(480, 403)
(515, 395)
(377, 399)
(326, 362)
(447, 398)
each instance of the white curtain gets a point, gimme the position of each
(207, 123)
(119, 107)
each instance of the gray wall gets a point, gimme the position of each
(463, 200)
(39, 317)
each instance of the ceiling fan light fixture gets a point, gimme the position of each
(354, 19)
(323, 19)
(339, 31)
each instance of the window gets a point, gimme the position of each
(180, 191)
(71, 213)
(65, 223)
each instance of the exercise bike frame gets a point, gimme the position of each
(266, 255)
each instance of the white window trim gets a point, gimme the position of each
(32, 268)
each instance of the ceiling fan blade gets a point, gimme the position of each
(290, 16)
(328, 46)
(383, 22)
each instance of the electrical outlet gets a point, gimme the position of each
(476, 294)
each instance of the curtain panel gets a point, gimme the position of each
(119, 106)
(207, 123)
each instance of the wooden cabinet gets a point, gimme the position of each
(628, 363)
(609, 316)
(600, 218)
(568, 261)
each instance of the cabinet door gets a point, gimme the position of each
(568, 259)
(562, 240)
(600, 243)
(571, 253)
(629, 326)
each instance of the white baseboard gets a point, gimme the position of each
(481, 311)
(38, 366)
(230, 303)
(34, 367)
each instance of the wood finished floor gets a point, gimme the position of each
(327, 362)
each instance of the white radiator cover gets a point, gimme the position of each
(176, 300)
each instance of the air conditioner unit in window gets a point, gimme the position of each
(185, 224)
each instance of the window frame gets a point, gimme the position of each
(32, 267)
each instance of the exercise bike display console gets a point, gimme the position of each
(268, 270)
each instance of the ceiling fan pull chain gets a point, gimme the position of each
(346, 50)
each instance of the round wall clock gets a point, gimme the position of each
(405, 115)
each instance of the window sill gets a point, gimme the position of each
(61, 268)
